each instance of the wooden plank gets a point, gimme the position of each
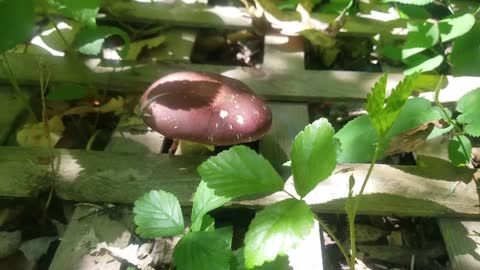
(462, 242)
(288, 120)
(11, 107)
(273, 84)
(281, 52)
(122, 177)
(126, 138)
(83, 234)
(462, 245)
(179, 13)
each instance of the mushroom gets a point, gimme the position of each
(205, 108)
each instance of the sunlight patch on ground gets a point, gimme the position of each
(69, 167)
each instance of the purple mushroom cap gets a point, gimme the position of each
(206, 108)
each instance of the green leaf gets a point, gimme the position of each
(357, 140)
(416, 112)
(240, 171)
(414, 12)
(421, 36)
(358, 137)
(313, 154)
(280, 263)
(470, 117)
(288, 5)
(382, 117)
(16, 22)
(410, 2)
(157, 214)
(84, 11)
(422, 63)
(465, 57)
(202, 251)
(204, 201)
(376, 103)
(454, 27)
(334, 6)
(276, 230)
(226, 233)
(459, 150)
(67, 92)
(208, 224)
(90, 40)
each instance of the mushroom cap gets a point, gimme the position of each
(206, 108)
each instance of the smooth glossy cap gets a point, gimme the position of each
(205, 108)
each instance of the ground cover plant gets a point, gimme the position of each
(279, 227)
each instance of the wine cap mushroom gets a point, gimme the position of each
(206, 108)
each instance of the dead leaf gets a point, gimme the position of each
(146, 44)
(412, 139)
(115, 105)
(33, 135)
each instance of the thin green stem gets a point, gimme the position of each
(290, 194)
(458, 130)
(476, 11)
(356, 203)
(43, 90)
(324, 225)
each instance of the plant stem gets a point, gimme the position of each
(324, 225)
(43, 90)
(458, 130)
(356, 203)
(290, 194)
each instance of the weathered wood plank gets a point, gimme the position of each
(72, 251)
(121, 178)
(462, 242)
(288, 120)
(274, 84)
(11, 107)
(82, 235)
(179, 13)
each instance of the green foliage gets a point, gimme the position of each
(465, 56)
(376, 103)
(203, 251)
(411, 2)
(416, 112)
(383, 116)
(335, 6)
(422, 63)
(157, 214)
(280, 263)
(358, 137)
(459, 150)
(455, 26)
(239, 171)
(204, 201)
(277, 229)
(67, 92)
(16, 22)
(313, 156)
(421, 36)
(470, 117)
(90, 40)
(84, 11)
